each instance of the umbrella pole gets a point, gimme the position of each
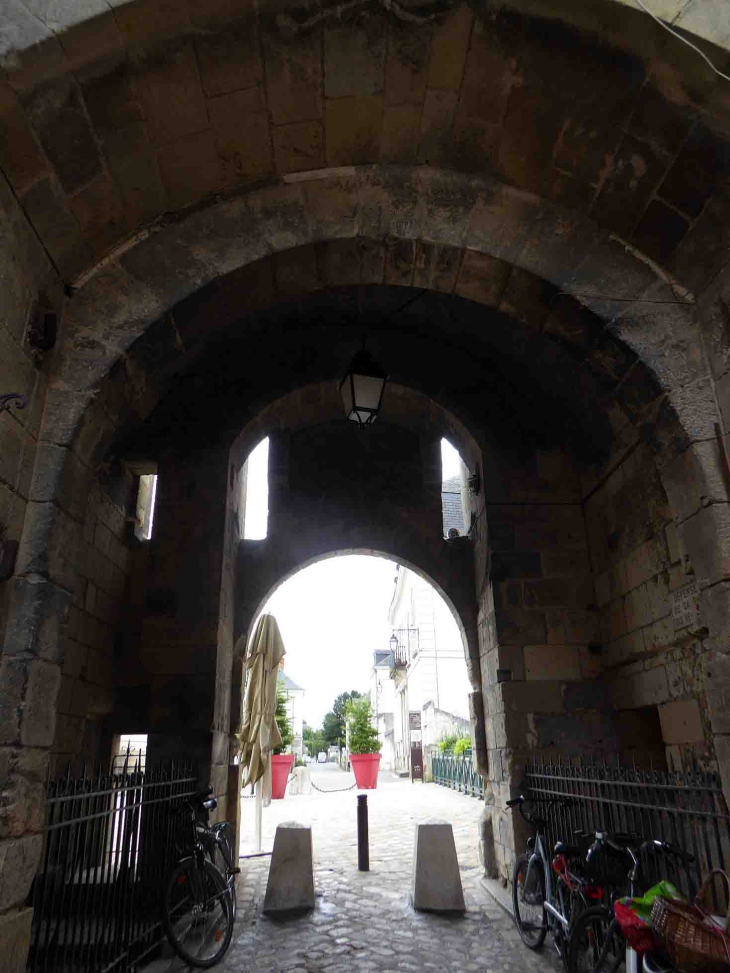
(257, 807)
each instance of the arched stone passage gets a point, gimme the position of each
(593, 164)
(466, 627)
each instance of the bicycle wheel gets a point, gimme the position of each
(196, 913)
(596, 944)
(528, 902)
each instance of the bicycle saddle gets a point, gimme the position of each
(568, 851)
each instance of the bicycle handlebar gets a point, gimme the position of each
(619, 841)
(668, 849)
(551, 802)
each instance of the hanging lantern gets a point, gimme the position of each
(362, 389)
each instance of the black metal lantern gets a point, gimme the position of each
(362, 389)
(393, 641)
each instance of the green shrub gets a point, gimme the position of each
(462, 744)
(447, 743)
(287, 734)
(363, 735)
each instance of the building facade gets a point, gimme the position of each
(294, 711)
(426, 663)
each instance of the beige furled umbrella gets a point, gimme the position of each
(259, 733)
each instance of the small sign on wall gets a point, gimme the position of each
(685, 607)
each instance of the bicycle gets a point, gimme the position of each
(199, 899)
(538, 907)
(597, 944)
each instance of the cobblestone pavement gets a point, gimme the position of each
(364, 921)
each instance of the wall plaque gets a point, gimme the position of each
(685, 607)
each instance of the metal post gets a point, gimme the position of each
(363, 849)
(257, 806)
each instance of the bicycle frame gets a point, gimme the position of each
(553, 914)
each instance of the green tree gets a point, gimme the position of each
(333, 726)
(332, 730)
(282, 721)
(313, 739)
(363, 735)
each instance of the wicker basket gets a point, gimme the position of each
(687, 935)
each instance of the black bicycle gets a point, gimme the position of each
(597, 944)
(548, 892)
(199, 897)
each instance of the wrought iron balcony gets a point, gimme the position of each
(399, 657)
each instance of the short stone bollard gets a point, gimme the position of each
(436, 878)
(290, 888)
(301, 782)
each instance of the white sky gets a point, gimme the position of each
(334, 614)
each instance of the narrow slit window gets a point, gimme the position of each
(146, 497)
(132, 750)
(452, 479)
(255, 482)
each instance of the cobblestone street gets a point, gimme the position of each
(364, 920)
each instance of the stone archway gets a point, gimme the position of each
(251, 617)
(593, 165)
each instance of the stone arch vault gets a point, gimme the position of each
(529, 210)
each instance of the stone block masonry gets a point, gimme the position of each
(197, 139)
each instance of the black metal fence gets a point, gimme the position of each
(685, 808)
(109, 841)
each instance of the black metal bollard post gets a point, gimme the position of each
(363, 848)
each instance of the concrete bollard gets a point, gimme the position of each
(436, 878)
(290, 888)
(301, 783)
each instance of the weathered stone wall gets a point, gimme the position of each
(543, 695)
(336, 489)
(96, 621)
(28, 644)
(173, 678)
(639, 561)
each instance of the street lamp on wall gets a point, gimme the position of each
(362, 389)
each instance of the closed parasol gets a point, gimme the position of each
(259, 733)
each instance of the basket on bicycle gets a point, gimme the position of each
(689, 936)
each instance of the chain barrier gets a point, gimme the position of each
(335, 790)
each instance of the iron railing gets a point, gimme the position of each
(110, 839)
(685, 808)
(458, 772)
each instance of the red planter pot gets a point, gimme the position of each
(280, 768)
(365, 766)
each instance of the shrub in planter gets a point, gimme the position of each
(364, 744)
(281, 762)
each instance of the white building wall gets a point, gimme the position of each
(295, 715)
(437, 668)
